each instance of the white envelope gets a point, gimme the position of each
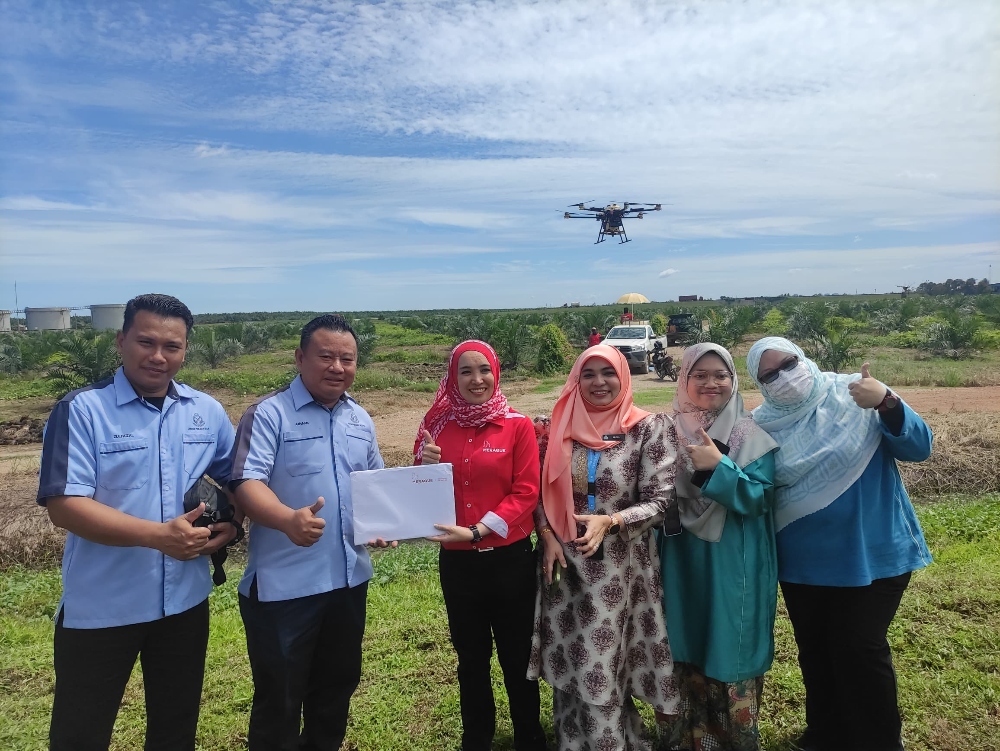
(402, 503)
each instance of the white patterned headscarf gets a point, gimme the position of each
(826, 439)
(730, 424)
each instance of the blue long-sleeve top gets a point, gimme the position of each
(871, 531)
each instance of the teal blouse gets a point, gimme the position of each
(720, 597)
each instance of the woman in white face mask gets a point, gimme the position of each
(847, 536)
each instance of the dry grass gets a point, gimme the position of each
(965, 459)
(27, 537)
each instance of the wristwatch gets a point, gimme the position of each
(889, 401)
(615, 527)
(476, 537)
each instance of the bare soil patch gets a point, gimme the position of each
(22, 431)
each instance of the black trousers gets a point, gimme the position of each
(490, 596)
(305, 656)
(851, 701)
(93, 667)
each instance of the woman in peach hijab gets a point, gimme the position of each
(600, 637)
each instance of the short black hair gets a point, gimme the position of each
(165, 306)
(331, 322)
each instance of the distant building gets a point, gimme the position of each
(107, 317)
(687, 298)
(47, 319)
(995, 286)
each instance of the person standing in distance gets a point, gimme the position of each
(304, 592)
(117, 459)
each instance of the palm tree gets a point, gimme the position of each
(207, 348)
(83, 360)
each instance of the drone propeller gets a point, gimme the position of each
(580, 205)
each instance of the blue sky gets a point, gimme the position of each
(340, 156)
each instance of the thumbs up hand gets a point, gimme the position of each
(304, 527)
(432, 452)
(867, 392)
(180, 539)
(704, 455)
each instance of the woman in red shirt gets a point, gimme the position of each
(486, 563)
(595, 337)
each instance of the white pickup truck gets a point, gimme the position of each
(635, 341)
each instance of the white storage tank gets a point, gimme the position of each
(47, 319)
(4, 320)
(107, 317)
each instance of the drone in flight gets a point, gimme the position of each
(612, 217)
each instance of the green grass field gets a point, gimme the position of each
(946, 641)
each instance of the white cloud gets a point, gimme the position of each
(325, 137)
(667, 272)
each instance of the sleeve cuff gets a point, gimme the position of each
(496, 524)
(248, 474)
(84, 491)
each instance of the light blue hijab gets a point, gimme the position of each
(826, 439)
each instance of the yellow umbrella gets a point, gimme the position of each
(631, 298)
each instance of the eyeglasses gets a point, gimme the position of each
(703, 376)
(772, 375)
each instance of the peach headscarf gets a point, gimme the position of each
(576, 419)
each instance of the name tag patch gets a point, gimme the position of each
(613, 437)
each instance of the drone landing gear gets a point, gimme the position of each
(622, 237)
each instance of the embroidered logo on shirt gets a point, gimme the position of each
(354, 417)
(488, 449)
(124, 435)
(198, 420)
(302, 422)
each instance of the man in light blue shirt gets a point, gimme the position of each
(117, 459)
(303, 594)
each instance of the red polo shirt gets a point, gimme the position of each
(495, 470)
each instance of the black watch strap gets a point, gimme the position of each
(476, 537)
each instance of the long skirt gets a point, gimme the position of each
(581, 726)
(713, 715)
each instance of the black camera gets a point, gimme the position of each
(217, 509)
(217, 506)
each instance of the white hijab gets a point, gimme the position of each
(731, 424)
(826, 439)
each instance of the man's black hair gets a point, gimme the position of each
(164, 306)
(330, 322)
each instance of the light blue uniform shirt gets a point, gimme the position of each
(301, 450)
(106, 443)
(871, 531)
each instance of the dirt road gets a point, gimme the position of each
(397, 415)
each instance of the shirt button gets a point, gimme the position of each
(470, 440)
(466, 461)
(167, 487)
(468, 505)
(466, 482)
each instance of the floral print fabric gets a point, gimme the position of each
(713, 715)
(581, 726)
(600, 633)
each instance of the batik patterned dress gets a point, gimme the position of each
(600, 633)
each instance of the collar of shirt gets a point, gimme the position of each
(125, 393)
(301, 396)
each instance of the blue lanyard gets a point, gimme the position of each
(593, 457)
